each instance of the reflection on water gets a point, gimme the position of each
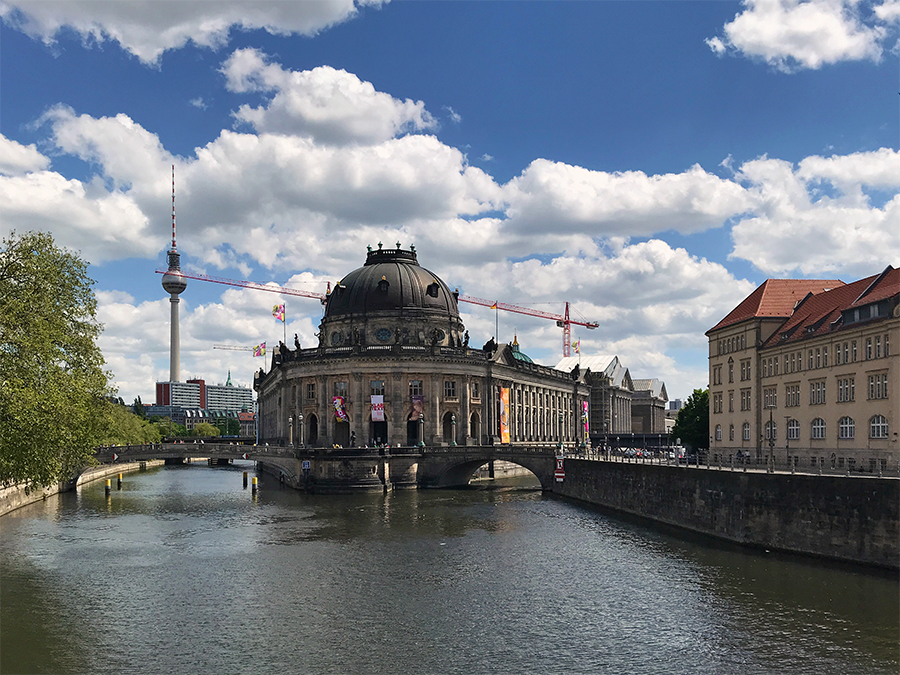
(182, 571)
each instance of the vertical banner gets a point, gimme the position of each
(584, 418)
(377, 407)
(504, 414)
(418, 404)
(340, 411)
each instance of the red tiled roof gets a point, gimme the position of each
(818, 314)
(775, 298)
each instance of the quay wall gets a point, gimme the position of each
(17, 496)
(842, 518)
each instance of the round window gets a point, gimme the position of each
(383, 334)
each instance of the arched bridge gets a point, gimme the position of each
(351, 469)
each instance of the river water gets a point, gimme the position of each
(182, 571)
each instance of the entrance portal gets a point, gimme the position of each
(379, 432)
(342, 434)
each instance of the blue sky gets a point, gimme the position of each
(649, 162)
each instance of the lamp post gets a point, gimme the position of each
(787, 438)
(300, 428)
(291, 430)
(560, 433)
(453, 425)
(421, 442)
(770, 460)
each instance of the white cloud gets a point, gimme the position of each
(17, 159)
(147, 29)
(796, 225)
(198, 103)
(332, 106)
(795, 34)
(557, 196)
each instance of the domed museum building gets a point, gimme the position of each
(394, 367)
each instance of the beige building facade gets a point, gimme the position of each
(807, 372)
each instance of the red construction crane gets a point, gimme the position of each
(562, 320)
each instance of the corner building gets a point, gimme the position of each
(807, 372)
(394, 366)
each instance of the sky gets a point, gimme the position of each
(650, 163)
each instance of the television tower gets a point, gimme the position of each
(173, 283)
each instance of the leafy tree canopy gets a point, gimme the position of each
(52, 382)
(125, 428)
(692, 423)
(205, 429)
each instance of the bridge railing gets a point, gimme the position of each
(873, 469)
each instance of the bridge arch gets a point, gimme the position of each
(455, 469)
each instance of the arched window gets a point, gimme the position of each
(793, 430)
(818, 428)
(745, 431)
(730, 432)
(718, 432)
(878, 427)
(846, 427)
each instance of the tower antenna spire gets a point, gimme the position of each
(173, 208)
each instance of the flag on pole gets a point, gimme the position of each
(577, 346)
(259, 350)
(494, 306)
(278, 312)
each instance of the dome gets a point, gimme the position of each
(390, 281)
(172, 281)
(391, 299)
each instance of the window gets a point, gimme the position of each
(745, 431)
(817, 392)
(818, 428)
(717, 403)
(791, 395)
(415, 388)
(449, 389)
(311, 391)
(340, 389)
(878, 427)
(887, 344)
(770, 397)
(745, 399)
(868, 348)
(877, 346)
(818, 357)
(476, 391)
(853, 350)
(730, 432)
(846, 390)
(717, 375)
(730, 401)
(793, 430)
(718, 432)
(846, 427)
(377, 387)
(771, 430)
(837, 355)
(878, 386)
(745, 369)
(809, 365)
(730, 372)
(825, 356)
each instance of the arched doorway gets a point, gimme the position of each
(475, 427)
(342, 433)
(447, 428)
(412, 428)
(312, 432)
(378, 432)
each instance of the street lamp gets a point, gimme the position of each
(560, 432)
(770, 460)
(787, 438)
(421, 442)
(300, 428)
(291, 430)
(453, 424)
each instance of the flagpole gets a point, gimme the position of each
(284, 323)
(497, 321)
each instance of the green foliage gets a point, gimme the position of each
(138, 408)
(125, 428)
(692, 423)
(205, 429)
(230, 426)
(52, 382)
(168, 428)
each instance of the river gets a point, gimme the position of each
(183, 571)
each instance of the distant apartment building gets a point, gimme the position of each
(808, 371)
(198, 394)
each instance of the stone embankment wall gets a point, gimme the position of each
(16, 496)
(842, 518)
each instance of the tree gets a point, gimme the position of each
(138, 408)
(125, 428)
(52, 382)
(692, 423)
(206, 430)
(168, 428)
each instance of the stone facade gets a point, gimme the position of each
(391, 340)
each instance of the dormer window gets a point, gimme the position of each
(383, 285)
(433, 289)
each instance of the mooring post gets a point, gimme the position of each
(108, 487)
(255, 488)
(119, 483)
(245, 480)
